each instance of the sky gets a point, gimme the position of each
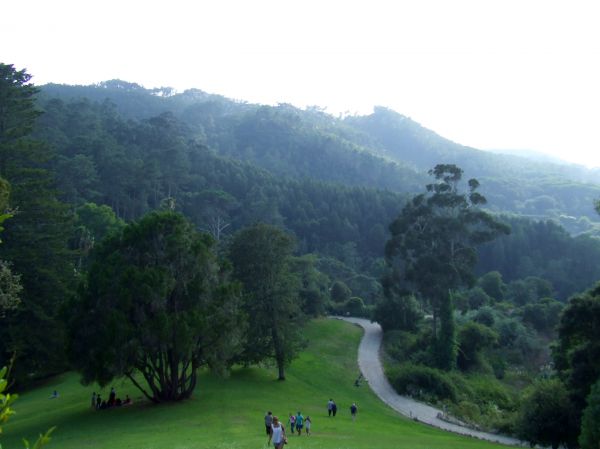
(517, 75)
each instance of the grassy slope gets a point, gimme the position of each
(228, 413)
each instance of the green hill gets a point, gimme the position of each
(228, 412)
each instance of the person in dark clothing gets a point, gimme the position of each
(268, 422)
(111, 397)
(353, 410)
(98, 402)
(334, 409)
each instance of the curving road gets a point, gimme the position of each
(372, 369)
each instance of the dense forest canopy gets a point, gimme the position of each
(335, 183)
(382, 150)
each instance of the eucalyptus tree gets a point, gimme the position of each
(157, 305)
(432, 250)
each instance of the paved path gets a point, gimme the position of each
(371, 368)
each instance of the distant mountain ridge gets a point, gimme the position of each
(385, 150)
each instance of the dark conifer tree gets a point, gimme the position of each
(35, 239)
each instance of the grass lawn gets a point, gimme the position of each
(228, 413)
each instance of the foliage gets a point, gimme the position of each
(35, 239)
(473, 339)
(422, 382)
(432, 249)
(543, 315)
(545, 416)
(493, 285)
(261, 262)
(207, 137)
(6, 400)
(544, 250)
(10, 288)
(590, 422)
(577, 352)
(340, 292)
(398, 313)
(477, 297)
(314, 292)
(92, 224)
(156, 302)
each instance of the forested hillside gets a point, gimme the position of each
(382, 150)
(332, 182)
(133, 215)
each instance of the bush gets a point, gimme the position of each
(546, 414)
(399, 344)
(590, 426)
(487, 390)
(353, 307)
(398, 313)
(422, 382)
(473, 339)
(466, 411)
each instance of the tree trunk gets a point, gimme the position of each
(446, 349)
(279, 354)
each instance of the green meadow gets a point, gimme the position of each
(228, 412)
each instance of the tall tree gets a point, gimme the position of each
(261, 260)
(545, 416)
(35, 239)
(432, 250)
(590, 423)
(156, 302)
(577, 353)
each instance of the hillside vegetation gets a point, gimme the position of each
(383, 150)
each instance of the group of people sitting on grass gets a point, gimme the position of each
(113, 401)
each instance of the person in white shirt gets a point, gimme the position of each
(277, 435)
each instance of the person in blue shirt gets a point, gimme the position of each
(299, 423)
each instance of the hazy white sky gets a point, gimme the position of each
(491, 74)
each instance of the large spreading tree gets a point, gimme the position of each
(261, 257)
(157, 305)
(432, 251)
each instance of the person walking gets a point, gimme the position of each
(268, 422)
(353, 410)
(329, 407)
(307, 423)
(112, 397)
(334, 409)
(292, 423)
(299, 423)
(277, 435)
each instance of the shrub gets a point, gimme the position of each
(473, 339)
(398, 313)
(590, 426)
(399, 344)
(466, 411)
(487, 390)
(546, 414)
(422, 382)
